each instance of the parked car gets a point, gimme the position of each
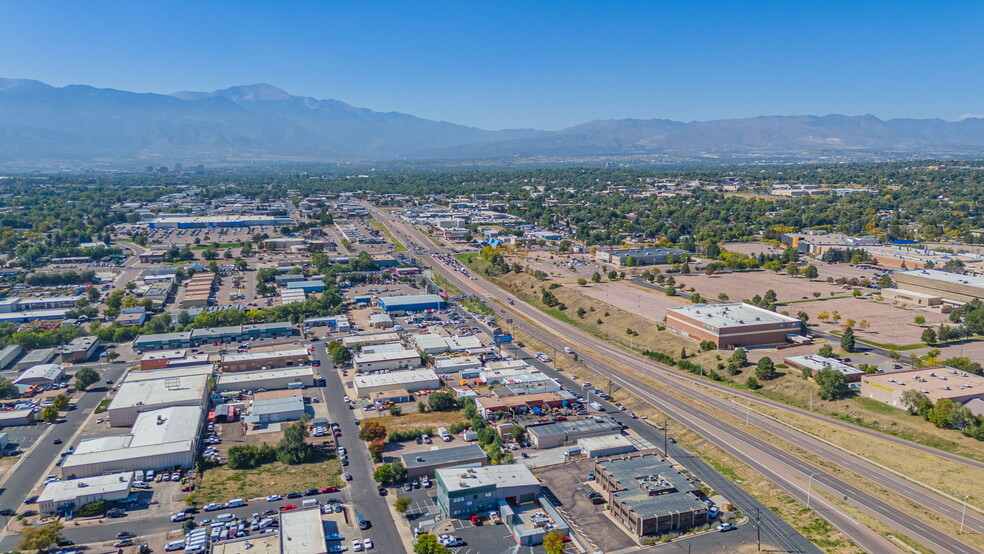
(726, 527)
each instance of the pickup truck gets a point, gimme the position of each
(494, 518)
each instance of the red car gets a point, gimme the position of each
(329, 488)
(475, 520)
(288, 507)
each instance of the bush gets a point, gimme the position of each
(458, 427)
(404, 435)
(93, 509)
(250, 456)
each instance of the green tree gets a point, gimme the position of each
(241, 264)
(752, 383)
(612, 275)
(40, 538)
(596, 277)
(8, 389)
(401, 504)
(85, 377)
(292, 448)
(739, 357)
(832, 384)
(441, 402)
(553, 542)
(427, 544)
(765, 369)
(49, 414)
(847, 340)
(919, 320)
(383, 475)
(519, 433)
(60, 402)
(582, 281)
(826, 351)
(912, 399)
(792, 269)
(928, 335)
(811, 272)
(399, 471)
(341, 356)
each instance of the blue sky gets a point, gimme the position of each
(535, 64)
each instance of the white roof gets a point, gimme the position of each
(506, 364)
(374, 338)
(48, 372)
(387, 356)
(386, 347)
(246, 377)
(164, 373)
(945, 276)
(604, 441)
(510, 475)
(182, 385)
(816, 363)
(380, 318)
(395, 379)
(459, 362)
(731, 314)
(68, 491)
(263, 355)
(167, 354)
(129, 453)
(302, 532)
(172, 424)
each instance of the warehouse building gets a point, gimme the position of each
(370, 339)
(75, 493)
(275, 410)
(160, 439)
(381, 321)
(522, 403)
(950, 286)
(605, 446)
(36, 357)
(162, 341)
(335, 323)
(43, 374)
(500, 375)
(559, 433)
(265, 359)
(79, 350)
(229, 334)
(142, 391)
(911, 298)
(161, 359)
(458, 364)
(16, 418)
(416, 380)
(270, 379)
(397, 305)
(462, 492)
(814, 363)
(401, 359)
(8, 354)
(641, 256)
(307, 286)
(936, 384)
(731, 325)
(434, 343)
(648, 496)
(302, 532)
(396, 396)
(424, 464)
(206, 221)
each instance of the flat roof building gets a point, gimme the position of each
(15, 418)
(302, 532)
(8, 354)
(269, 379)
(951, 286)
(815, 363)
(912, 298)
(276, 410)
(75, 493)
(641, 256)
(43, 374)
(462, 492)
(370, 339)
(269, 359)
(606, 445)
(401, 359)
(559, 433)
(414, 380)
(732, 324)
(36, 357)
(457, 364)
(142, 391)
(411, 303)
(79, 350)
(420, 464)
(648, 496)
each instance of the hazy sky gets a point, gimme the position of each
(500, 64)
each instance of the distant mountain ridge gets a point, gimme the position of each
(41, 125)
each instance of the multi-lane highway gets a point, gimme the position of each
(789, 472)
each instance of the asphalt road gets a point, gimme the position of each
(787, 471)
(33, 468)
(361, 490)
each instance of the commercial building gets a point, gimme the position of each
(605, 446)
(380, 321)
(559, 433)
(912, 298)
(162, 341)
(75, 493)
(265, 359)
(423, 464)
(275, 410)
(521, 403)
(457, 364)
(161, 359)
(462, 492)
(731, 325)
(416, 380)
(41, 374)
(936, 384)
(302, 532)
(142, 391)
(79, 350)
(8, 354)
(494, 374)
(396, 396)
(48, 303)
(648, 496)
(396, 305)
(640, 256)
(814, 363)
(36, 357)
(270, 379)
(370, 339)
(152, 256)
(379, 361)
(196, 222)
(950, 286)
(335, 323)
(434, 343)
(132, 317)
(160, 439)
(307, 286)
(15, 418)
(229, 334)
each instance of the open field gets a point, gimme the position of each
(889, 324)
(746, 284)
(646, 303)
(220, 484)
(420, 421)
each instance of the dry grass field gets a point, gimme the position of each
(221, 484)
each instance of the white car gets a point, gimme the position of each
(368, 544)
(274, 498)
(356, 545)
(337, 548)
(211, 507)
(347, 399)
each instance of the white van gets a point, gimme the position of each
(235, 503)
(309, 502)
(568, 350)
(174, 545)
(597, 406)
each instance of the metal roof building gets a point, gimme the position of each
(76, 493)
(36, 357)
(419, 464)
(44, 373)
(142, 391)
(276, 410)
(386, 360)
(558, 433)
(411, 303)
(270, 379)
(414, 380)
(9, 354)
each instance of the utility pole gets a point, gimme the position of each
(666, 433)
(809, 490)
(758, 528)
(964, 513)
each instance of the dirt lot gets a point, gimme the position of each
(220, 484)
(889, 324)
(620, 294)
(745, 285)
(567, 483)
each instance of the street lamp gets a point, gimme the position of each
(964, 512)
(809, 490)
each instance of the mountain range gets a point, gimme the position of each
(80, 126)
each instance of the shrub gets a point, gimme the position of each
(92, 509)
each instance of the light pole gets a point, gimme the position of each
(964, 512)
(809, 490)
